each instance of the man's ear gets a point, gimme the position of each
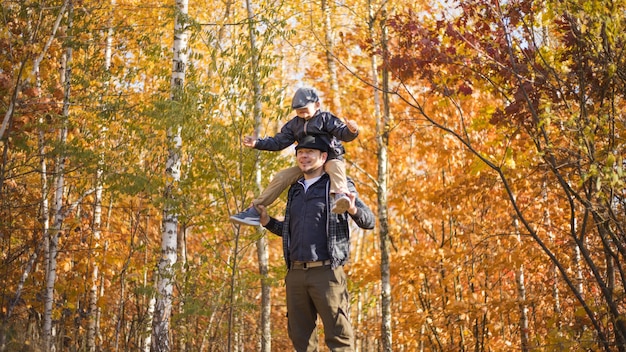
(324, 156)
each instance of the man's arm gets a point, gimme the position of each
(359, 211)
(271, 224)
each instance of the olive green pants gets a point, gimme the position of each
(336, 170)
(318, 291)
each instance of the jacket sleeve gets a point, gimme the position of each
(364, 217)
(274, 226)
(339, 129)
(280, 141)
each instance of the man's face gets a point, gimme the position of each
(308, 110)
(310, 160)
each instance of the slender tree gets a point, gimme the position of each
(95, 287)
(382, 139)
(261, 243)
(331, 64)
(59, 185)
(44, 211)
(169, 238)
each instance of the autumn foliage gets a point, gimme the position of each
(505, 197)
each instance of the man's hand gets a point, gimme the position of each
(352, 126)
(249, 141)
(264, 218)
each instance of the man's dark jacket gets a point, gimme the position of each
(338, 232)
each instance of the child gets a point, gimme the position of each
(310, 120)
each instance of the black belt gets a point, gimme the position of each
(307, 265)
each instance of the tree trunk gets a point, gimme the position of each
(59, 184)
(330, 59)
(182, 248)
(369, 340)
(521, 295)
(233, 293)
(377, 114)
(94, 310)
(95, 275)
(261, 244)
(556, 295)
(382, 136)
(163, 307)
(45, 207)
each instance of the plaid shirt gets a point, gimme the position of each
(337, 230)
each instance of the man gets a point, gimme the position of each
(316, 245)
(309, 120)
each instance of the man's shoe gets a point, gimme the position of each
(342, 203)
(249, 216)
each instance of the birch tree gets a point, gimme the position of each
(382, 140)
(331, 64)
(59, 185)
(166, 276)
(261, 243)
(44, 209)
(94, 310)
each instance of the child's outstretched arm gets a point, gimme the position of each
(280, 141)
(249, 141)
(352, 126)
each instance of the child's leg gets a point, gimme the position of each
(336, 169)
(278, 184)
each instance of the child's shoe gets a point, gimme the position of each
(342, 203)
(249, 216)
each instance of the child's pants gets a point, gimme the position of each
(335, 168)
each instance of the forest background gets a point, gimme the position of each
(491, 148)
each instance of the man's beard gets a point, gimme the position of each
(311, 169)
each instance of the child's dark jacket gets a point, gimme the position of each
(325, 125)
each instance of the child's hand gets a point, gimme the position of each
(352, 197)
(249, 141)
(352, 126)
(264, 218)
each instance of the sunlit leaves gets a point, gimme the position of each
(549, 85)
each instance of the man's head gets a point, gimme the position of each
(305, 102)
(311, 154)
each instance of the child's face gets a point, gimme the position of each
(308, 110)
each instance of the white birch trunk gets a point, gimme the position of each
(370, 340)
(95, 276)
(382, 137)
(182, 247)
(265, 343)
(521, 296)
(45, 204)
(59, 185)
(35, 70)
(553, 269)
(330, 58)
(94, 311)
(163, 306)
(44, 215)
(576, 262)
